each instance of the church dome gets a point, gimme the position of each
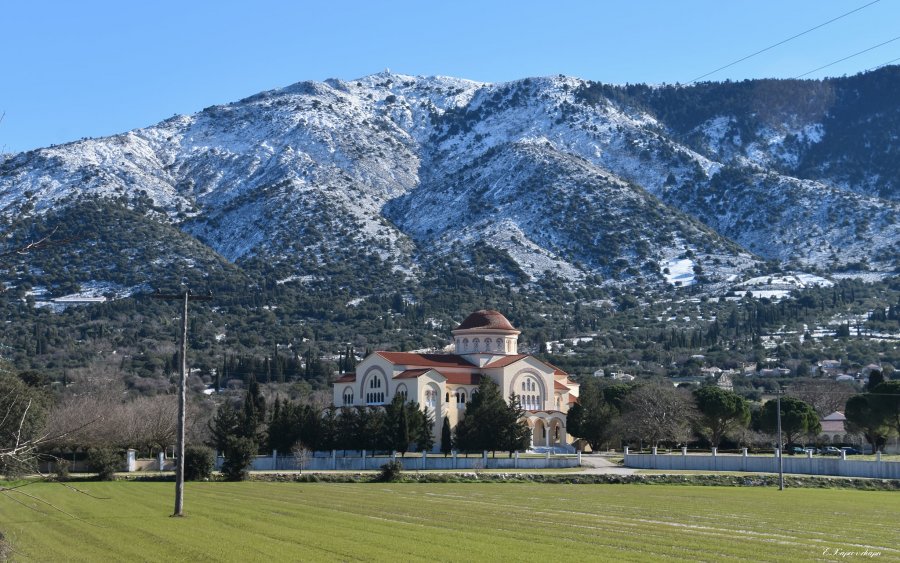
(485, 320)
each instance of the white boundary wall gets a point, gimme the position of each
(807, 465)
(361, 461)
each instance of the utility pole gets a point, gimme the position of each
(179, 459)
(780, 441)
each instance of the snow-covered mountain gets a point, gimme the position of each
(587, 182)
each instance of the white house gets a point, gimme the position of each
(486, 345)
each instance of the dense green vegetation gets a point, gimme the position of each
(448, 522)
(266, 323)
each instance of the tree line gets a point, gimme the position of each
(657, 413)
(239, 433)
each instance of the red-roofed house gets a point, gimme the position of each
(834, 430)
(486, 345)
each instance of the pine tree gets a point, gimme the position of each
(515, 434)
(486, 425)
(425, 439)
(226, 423)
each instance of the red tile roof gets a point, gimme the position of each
(503, 362)
(463, 378)
(346, 378)
(425, 360)
(556, 370)
(559, 386)
(486, 319)
(573, 399)
(411, 373)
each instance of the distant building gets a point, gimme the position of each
(622, 376)
(829, 368)
(486, 345)
(834, 430)
(723, 381)
(866, 371)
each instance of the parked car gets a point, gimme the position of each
(851, 450)
(829, 450)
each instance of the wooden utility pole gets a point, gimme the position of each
(780, 442)
(182, 384)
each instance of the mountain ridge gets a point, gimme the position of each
(584, 180)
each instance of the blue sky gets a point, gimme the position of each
(94, 68)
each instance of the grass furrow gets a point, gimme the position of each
(447, 522)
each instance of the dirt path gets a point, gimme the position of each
(599, 465)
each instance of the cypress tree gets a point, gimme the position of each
(401, 437)
(446, 437)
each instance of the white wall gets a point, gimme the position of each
(324, 461)
(767, 464)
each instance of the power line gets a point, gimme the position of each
(882, 65)
(848, 57)
(783, 42)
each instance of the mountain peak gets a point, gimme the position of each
(534, 177)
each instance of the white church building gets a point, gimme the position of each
(485, 345)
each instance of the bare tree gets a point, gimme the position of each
(302, 455)
(146, 423)
(23, 425)
(657, 413)
(824, 395)
(22, 415)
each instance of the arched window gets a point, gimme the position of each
(499, 344)
(430, 398)
(460, 398)
(465, 345)
(374, 395)
(475, 343)
(487, 344)
(348, 396)
(532, 396)
(402, 391)
(447, 397)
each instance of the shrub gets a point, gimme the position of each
(390, 471)
(105, 462)
(199, 462)
(239, 454)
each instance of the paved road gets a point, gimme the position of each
(599, 465)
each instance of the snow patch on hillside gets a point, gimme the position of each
(680, 272)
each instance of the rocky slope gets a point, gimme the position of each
(556, 176)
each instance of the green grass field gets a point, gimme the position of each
(447, 522)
